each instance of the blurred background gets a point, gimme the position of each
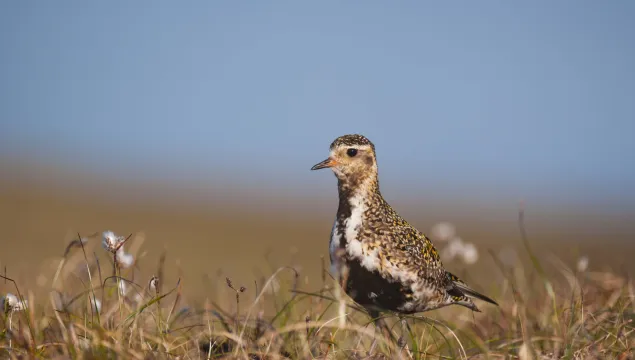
(197, 124)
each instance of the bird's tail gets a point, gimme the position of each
(463, 288)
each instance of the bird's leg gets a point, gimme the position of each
(373, 316)
(405, 329)
(380, 324)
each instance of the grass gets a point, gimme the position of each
(566, 313)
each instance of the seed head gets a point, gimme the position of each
(11, 303)
(469, 254)
(583, 264)
(229, 283)
(453, 249)
(124, 259)
(154, 284)
(443, 232)
(111, 242)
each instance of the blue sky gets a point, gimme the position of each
(528, 99)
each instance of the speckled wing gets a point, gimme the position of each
(410, 250)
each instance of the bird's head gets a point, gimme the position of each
(352, 159)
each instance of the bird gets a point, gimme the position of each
(381, 261)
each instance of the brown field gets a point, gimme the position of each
(241, 239)
(208, 237)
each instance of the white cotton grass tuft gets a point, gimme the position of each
(114, 244)
(111, 242)
(443, 232)
(453, 249)
(153, 285)
(11, 303)
(469, 253)
(583, 264)
(456, 247)
(124, 259)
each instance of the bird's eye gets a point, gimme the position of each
(351, 152)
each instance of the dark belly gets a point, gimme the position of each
(371, 290)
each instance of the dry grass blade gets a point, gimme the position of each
(595, 319)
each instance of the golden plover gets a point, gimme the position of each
(382, 262)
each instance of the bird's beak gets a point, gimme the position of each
(324, 164)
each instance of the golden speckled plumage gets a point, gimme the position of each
(383, 262)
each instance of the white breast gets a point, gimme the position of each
(334, 245)
(355, 248)
(353, 225)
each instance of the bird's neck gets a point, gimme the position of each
(355, 192)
